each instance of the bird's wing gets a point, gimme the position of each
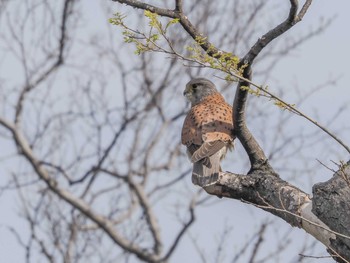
(191, 149)
(191, 130)
(207, 149)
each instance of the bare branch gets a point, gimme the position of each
(178, 6)
(258, 243)
(59, 61)
(151, 219)
(256, 154)
(184, 21)
(153, 9)
(75, 202)
(182, 231)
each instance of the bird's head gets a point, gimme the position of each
(198, 89)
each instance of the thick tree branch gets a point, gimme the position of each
(332, 206)
(264, 189)
(253, 149)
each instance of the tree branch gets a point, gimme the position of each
(265, 190)
(150, 218)
(253, 149)
(152, 8)
(184, 21)
(182, 231)
(59, 61)
(75, 202)
(178, 6)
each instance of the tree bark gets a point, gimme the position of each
(326, 216)
(331, 203)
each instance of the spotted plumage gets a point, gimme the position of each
(207, 131)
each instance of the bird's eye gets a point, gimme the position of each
(194, 86)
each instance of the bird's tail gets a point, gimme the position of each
(203, 175)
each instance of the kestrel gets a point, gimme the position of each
(207, 131)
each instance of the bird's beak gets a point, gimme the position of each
(186, 92)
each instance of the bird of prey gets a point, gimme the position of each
(207, 131)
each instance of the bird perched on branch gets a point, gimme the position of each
(207, 131)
